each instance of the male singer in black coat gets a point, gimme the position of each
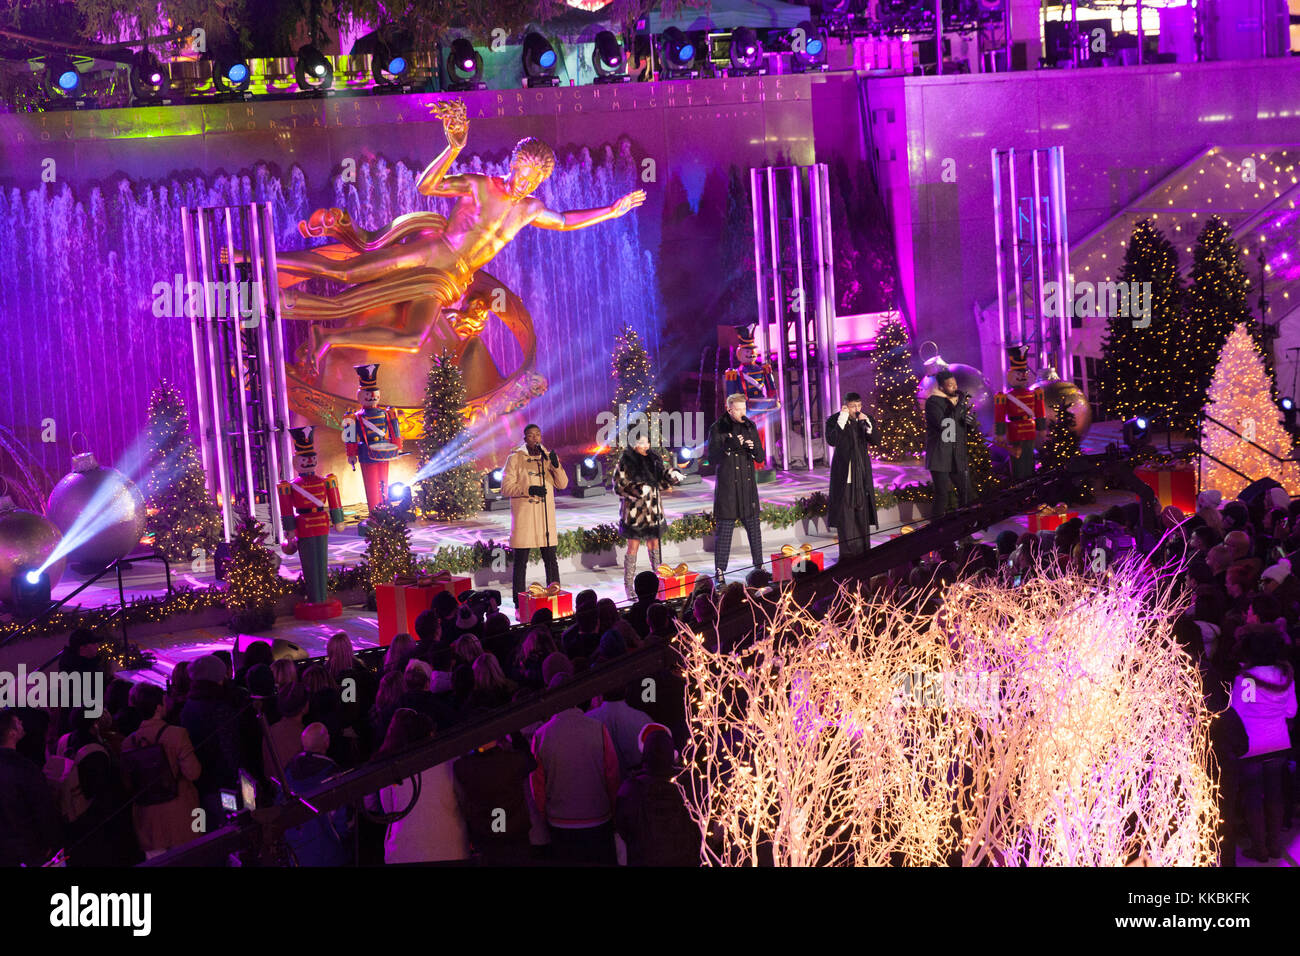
(852, 507)
(734, 448)
(948, 417)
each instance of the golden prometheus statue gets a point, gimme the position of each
(413, 287)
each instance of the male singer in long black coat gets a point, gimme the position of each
(734, 448)
(852, 509)
(948, 417)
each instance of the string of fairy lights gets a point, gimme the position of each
(1053, 724)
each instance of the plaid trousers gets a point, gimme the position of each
(754, 532)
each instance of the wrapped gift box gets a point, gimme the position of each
(399, 604)
(1173, 484)
(446, 581)
(1050, 519)
(676, 582)
(783, 564)
(530, 602)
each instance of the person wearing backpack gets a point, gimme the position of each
(160, 767)
(651, 816)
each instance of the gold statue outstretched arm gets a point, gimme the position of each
(582, 218)
(434, 181)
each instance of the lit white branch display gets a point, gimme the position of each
(1052, 724)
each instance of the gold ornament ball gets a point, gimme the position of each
(1055, 391)
(26, 540)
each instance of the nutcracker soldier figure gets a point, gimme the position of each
(1019, 415)
(309, 505)
(372, 436)
(755, 380)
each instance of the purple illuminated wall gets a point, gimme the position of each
(89, 215)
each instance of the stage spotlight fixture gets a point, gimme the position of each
(399, 499)
(390, 60)
(678, 54)
(1288, 413)
(608, 59)
(540, 61)
(1135, 432)
(148, 80)
(746, 53)
(492, 500)
(464, 67)
(62, 77)
(687, 461)
(313, 70)
(589, 478)
(231, 74)
(808, 46)
(30, 592)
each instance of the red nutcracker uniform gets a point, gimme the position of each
(309, 506)
(752, 378)
(373, 436)
(1019, 414)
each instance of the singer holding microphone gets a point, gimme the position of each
(948, 416)
(531, 476)
(735, 447)
(852, 505)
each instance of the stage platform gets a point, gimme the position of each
(603, 574)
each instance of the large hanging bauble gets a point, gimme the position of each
(1054, 390)
(101, 509)
(26, 540)
(969, 380)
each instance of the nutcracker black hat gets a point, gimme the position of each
(1019, 358)
(303, 441)
(369, 375)
(746, 335)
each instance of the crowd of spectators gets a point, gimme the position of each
(594, 784)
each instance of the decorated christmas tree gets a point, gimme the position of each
(452, 492)
(980, 463)
(253, 579)
(1216, 302)
(185, 520)
(1140, 360)
(902, 424)
(634, 381)
(1238, 396)
(1062, 443)
(388, 546)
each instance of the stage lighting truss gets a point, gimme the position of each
(589, 478)
(808, 47)
(744, 52)
(899, 17)
(313, 70)
(678, 54)
(149, 81)
(609, 59)
(492, 499)
(464, 67)
(540, 61)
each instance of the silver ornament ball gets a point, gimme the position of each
(103, 508)
(26, 540)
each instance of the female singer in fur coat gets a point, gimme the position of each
(639, 478)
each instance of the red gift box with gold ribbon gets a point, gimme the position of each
(1049, 519)
(675, 582)
(783, 563)
(1174, 484)
(537, 597)
(399, 604)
